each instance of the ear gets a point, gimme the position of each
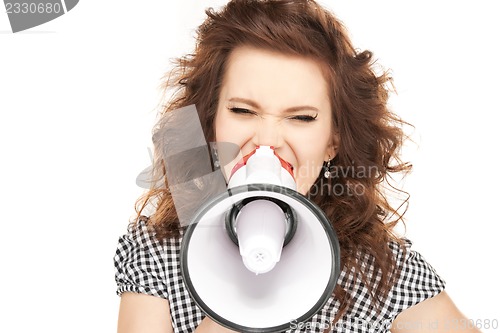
(332, 149)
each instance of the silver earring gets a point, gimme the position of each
(328, 170)
(215, 157)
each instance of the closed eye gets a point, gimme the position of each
(304, 118)
(241, 111)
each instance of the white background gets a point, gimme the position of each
(78, 98)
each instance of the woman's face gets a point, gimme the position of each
(272, 99)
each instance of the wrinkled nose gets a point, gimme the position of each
(268, 133)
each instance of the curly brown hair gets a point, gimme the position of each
(370, 134)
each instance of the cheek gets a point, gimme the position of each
(309, 166)
(311, 152)
(225, 129)
(233, 131)
(231, 136)
(307, 173)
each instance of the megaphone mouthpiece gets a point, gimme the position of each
(260, 228)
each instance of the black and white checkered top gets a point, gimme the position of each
(144, 265)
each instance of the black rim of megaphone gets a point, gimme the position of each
(334, 246)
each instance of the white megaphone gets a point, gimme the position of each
(260, 256)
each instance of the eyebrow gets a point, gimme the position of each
(288, 110)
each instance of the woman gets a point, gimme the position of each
(284, 74)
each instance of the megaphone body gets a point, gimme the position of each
(260, 255)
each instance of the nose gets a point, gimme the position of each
(268, 133)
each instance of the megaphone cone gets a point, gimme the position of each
(260, 255)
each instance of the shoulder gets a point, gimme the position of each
(142, 261)
(417, 280)
(140, 242)
(420, 302)
(436, 314)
